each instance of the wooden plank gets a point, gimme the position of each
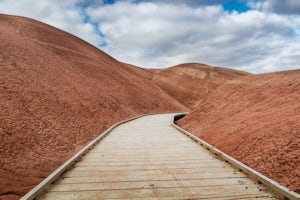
(215, 171)
(91, 163)
(139, 176)
(199, 197)
(122, 185)
(204, 192)
(152, 177)
(149, 184)
(139, 157)
(113, 166)
(144, 147)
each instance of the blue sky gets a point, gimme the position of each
(253, 35)
(235, 6)
(239, 6)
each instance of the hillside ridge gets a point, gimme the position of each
(57, 93)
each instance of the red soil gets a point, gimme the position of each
(57, 93)
(145, 73)
(255, 119)
(190, 83)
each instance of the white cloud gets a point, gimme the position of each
(277, 6)
(64, 14)
(158, 35)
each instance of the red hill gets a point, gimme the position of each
(256, 120)
(190, 83)
(57, 93)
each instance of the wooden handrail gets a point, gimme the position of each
(42, 186)
(282, 191)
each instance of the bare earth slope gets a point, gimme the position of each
(255, 119)
(190, 83)
(143, 72)
(57, 93)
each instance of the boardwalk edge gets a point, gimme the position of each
(282, 191)
(42, 186)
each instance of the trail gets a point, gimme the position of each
(148, 158)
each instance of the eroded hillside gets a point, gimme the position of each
(57, 93)
(190, 83)
(255, 119)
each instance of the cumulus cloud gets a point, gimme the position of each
(278, 6)
(66, 15)
(156, 35)
(162, 33)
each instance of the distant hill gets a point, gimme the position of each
(190, 83)
(57, 93)
(255, 119)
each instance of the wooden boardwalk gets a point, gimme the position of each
(149, 159)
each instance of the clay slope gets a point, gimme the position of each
(57, 93)
(256, 120)
(143, 72)
(190, 83)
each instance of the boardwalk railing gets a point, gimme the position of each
(42, 186)
(282, 191)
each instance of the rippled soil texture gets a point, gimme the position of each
(255, 119)
(57, 93)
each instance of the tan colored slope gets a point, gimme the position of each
(255, 119)
(190, 83)
(57, 93)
